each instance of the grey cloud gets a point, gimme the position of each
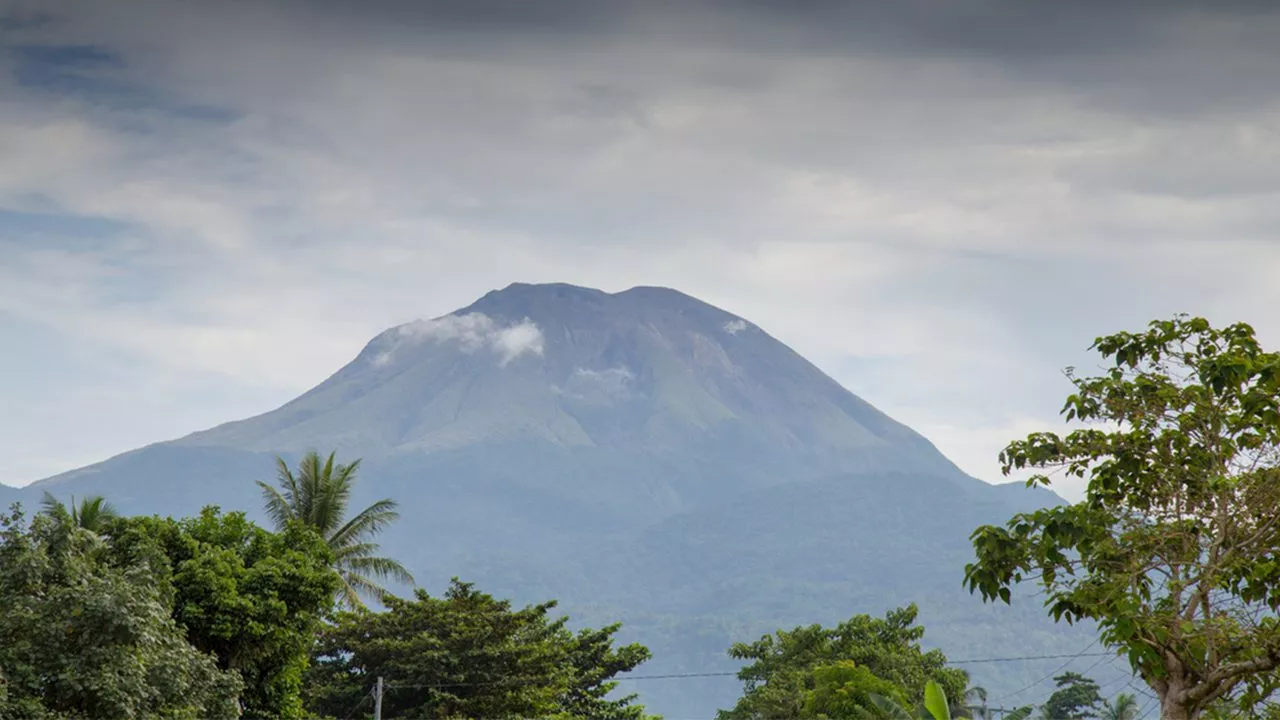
(613, 146)
(23, 19)
(484, 17)
(1231, 160)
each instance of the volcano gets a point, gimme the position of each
(641, 456)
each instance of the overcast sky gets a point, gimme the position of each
(208, 207)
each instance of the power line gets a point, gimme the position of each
(1032, 657)
(1100, 660)
(1143, 713)
(1142, 691)
(363, 700)
(1118, 680)
(1062, 667)
(731, 673)
(529, 681)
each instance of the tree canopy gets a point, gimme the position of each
(469, 655)
(1077, 698)
(845, 689)
(1173, 549)
(213, 616)
(81, 637)
(786, 667)
(252, 598)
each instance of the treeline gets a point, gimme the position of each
(216, 617)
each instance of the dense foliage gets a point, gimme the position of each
(213, 616)
(809, 671)
(1172, 551)
(845, 689)
(469, 655)
(253, 598)
(82, 637)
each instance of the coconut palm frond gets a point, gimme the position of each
(276, 504)
(318, 493)
(369, 522)
(1124, 707)
(52, 505)
(94, 512)
(91, 513)
(379, 567)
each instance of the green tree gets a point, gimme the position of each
(91, 513)
(318, 495)
(1077, 698)
(595, 662)
(1123, 707)
(845, 689)
(83, 638)
(251, 597)
(1172, 551)
(781, 670)
(468, 655)
(1225, 709)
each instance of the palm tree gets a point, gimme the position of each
(317, 495)
(976, 697)
(91, 514)
(1124, 707)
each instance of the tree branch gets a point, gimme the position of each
(1217, 681)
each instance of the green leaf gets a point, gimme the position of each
(935, 701)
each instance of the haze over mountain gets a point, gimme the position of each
(640, 456)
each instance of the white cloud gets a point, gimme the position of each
(735, 326)
(476, 331)
(584, 383)
(613, 380)
(514, 341)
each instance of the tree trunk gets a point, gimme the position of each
(1170, 709)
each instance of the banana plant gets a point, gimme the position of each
(935, 705)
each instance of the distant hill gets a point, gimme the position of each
(641, 456)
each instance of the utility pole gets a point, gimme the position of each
(990, 713)
(982, 712)
(377, 700)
